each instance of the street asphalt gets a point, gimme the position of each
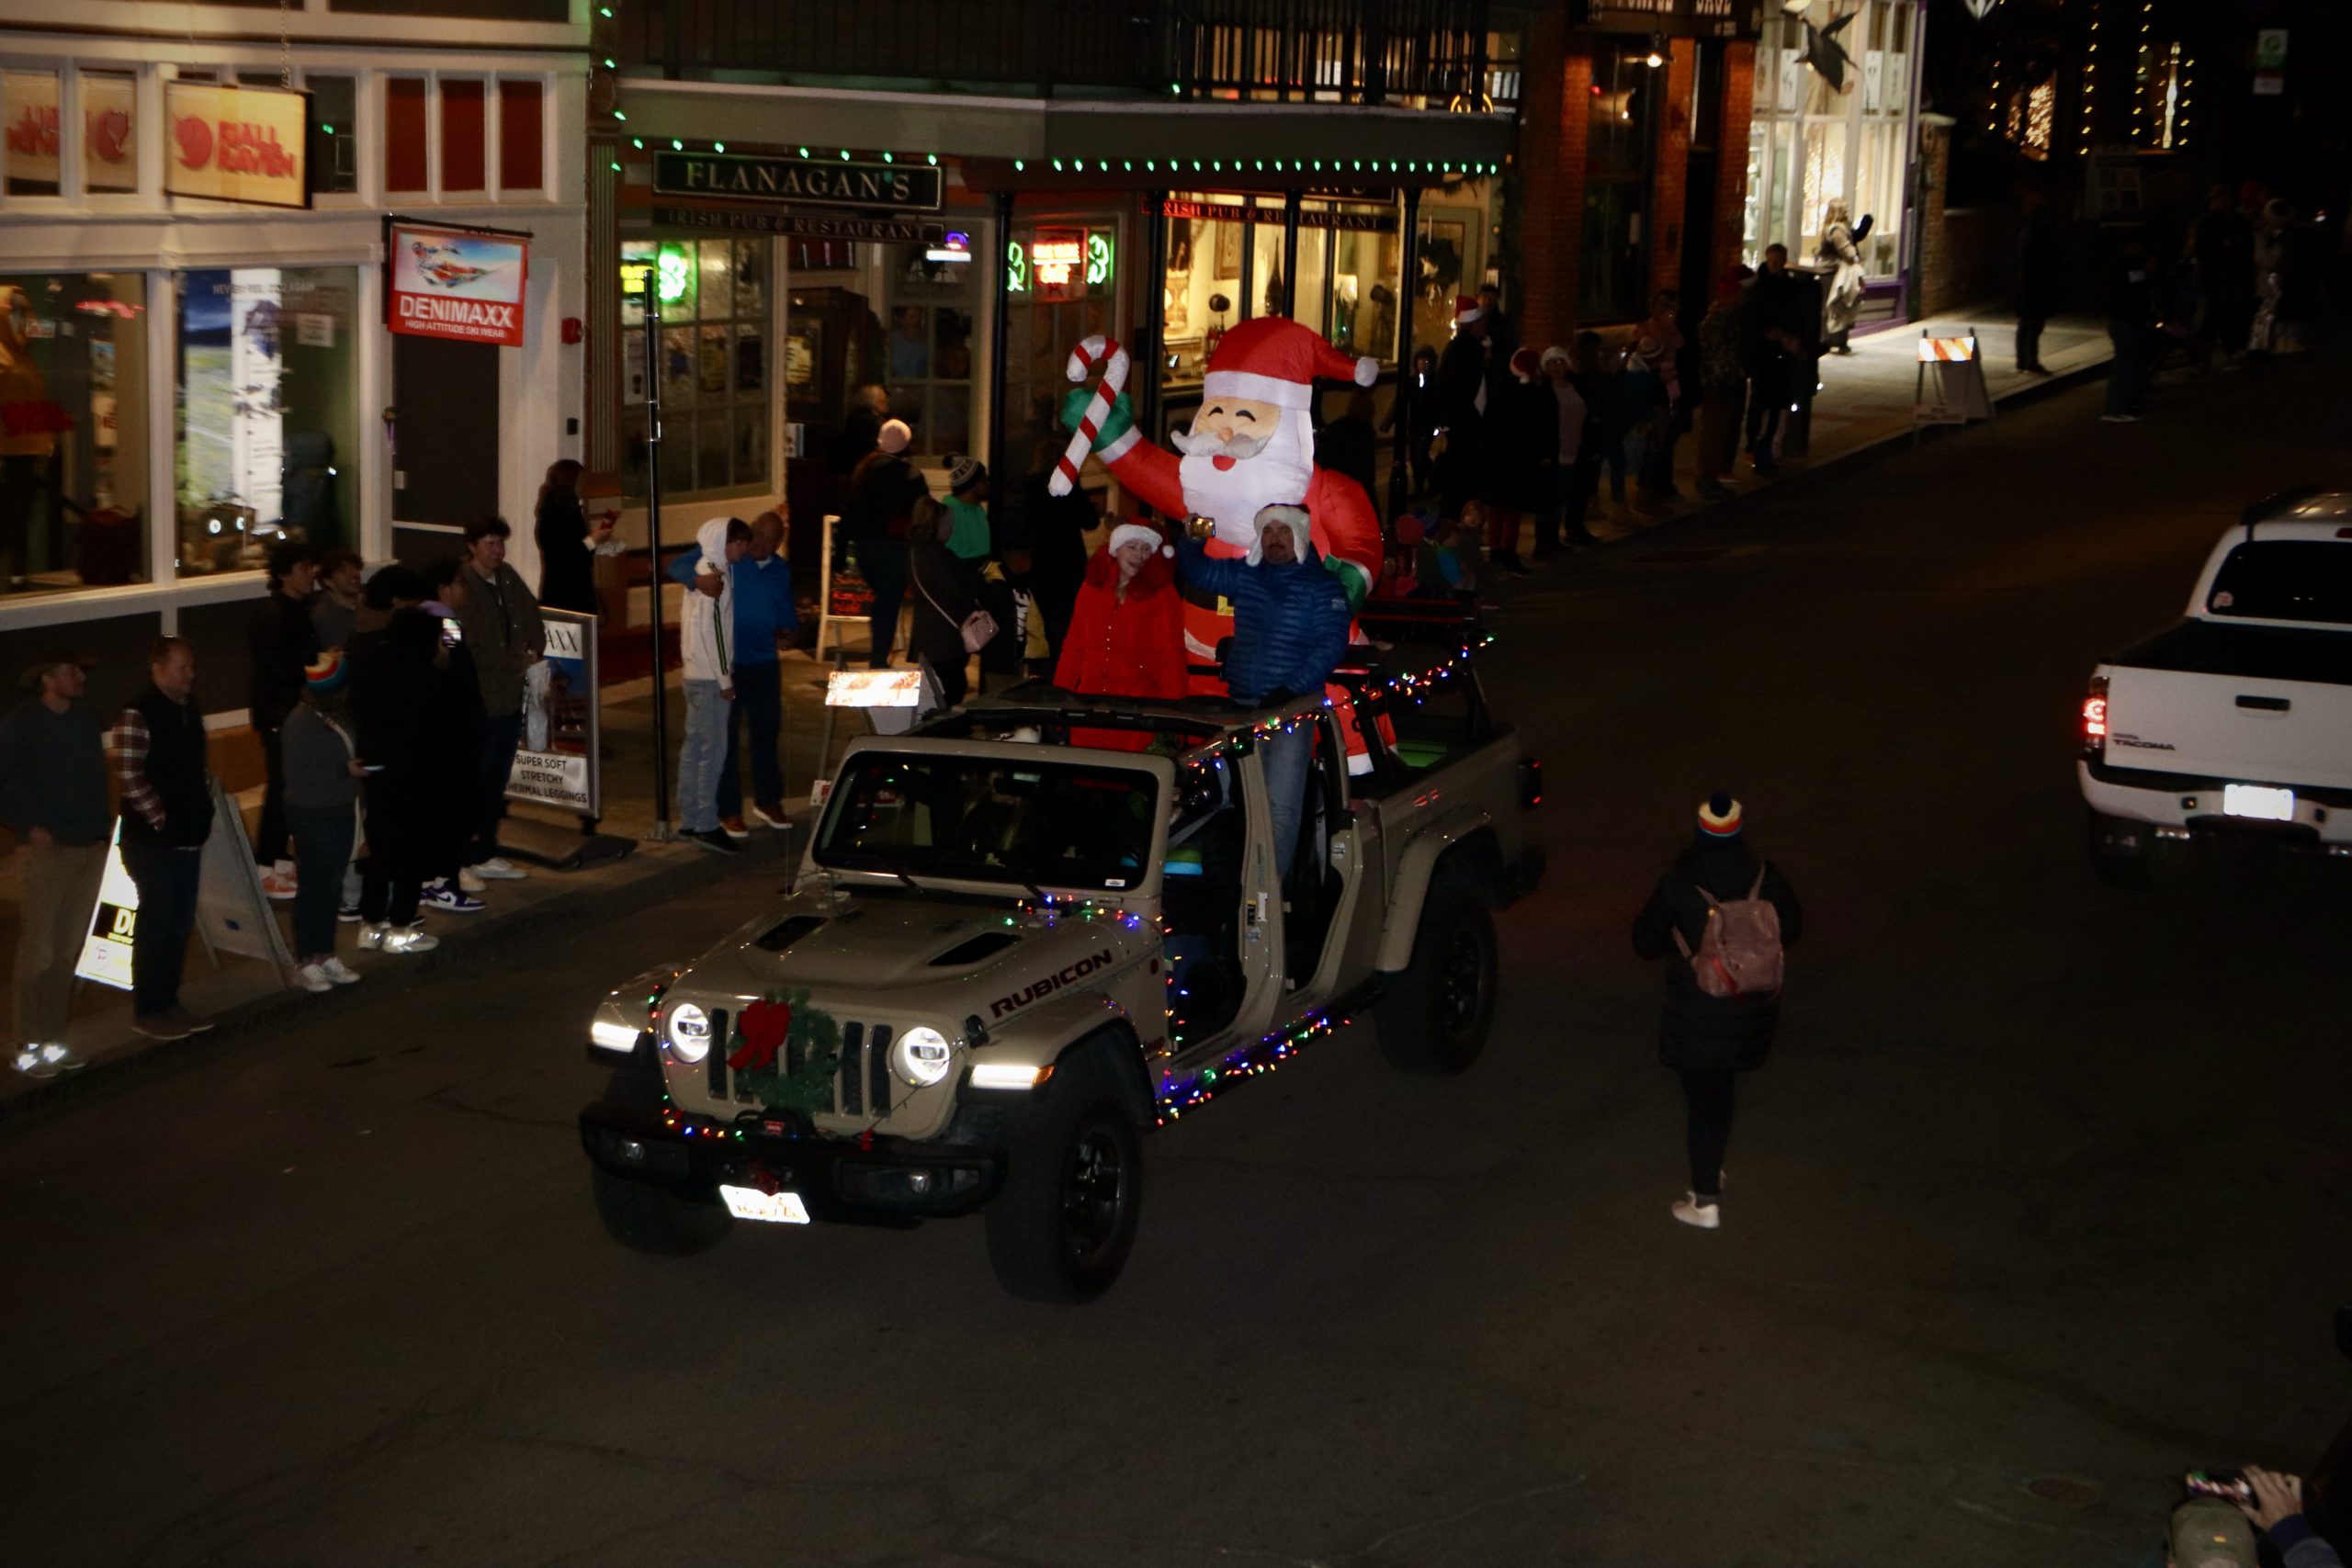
(2040, 1202)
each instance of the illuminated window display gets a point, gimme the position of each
(1063, 284)
(73, 430)
(713, 302)
(1349, 256)
(1810, 144)
(268, 413)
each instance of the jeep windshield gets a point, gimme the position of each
(990, 819)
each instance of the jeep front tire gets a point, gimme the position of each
(1060, 1228)
(646, 1218)
(1436, 1013)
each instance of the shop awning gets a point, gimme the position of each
(1013, 143)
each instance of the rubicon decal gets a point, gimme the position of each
(1038, 990)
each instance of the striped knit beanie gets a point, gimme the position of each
(1719, 817)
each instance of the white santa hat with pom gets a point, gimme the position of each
(1272, 359)
(1138, 534)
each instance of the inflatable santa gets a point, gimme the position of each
(1252, 446)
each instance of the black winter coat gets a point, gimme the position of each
(280, 641)
(1700, 1033)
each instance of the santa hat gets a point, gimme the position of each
(1468, 308)
(1138, 533)
(1270, 359)
(1525, 366)
(1719, 816)
(1291, 517)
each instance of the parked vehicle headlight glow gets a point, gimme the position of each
(610, 1035)
(689, 1033)
(921, 1056)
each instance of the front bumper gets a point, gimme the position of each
(2191, 807)
(842, 1180)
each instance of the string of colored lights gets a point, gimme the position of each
(1268, 1054)
(1334, 166)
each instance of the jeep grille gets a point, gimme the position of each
(861, 1084)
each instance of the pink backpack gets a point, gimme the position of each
(1739, 953)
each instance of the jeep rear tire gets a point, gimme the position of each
(1060, 1228)
(1435, 1016)
(646, 1218)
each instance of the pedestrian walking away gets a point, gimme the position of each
(1719, 918)
(499, 618)
(706, 649)
(54, 797)
(281, 640)
(157, 751)
(323, 773)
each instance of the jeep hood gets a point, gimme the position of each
(956, 950)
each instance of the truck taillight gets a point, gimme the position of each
(2095, 716)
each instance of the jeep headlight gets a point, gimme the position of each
(921, 1056)
(689, 1033)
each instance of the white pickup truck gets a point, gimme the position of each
(2237, 720)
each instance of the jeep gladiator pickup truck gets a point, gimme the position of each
(1031, 929)
(2236, 721)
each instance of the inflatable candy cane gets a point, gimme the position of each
(1082, 361)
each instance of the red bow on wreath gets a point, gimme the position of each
(764, 1026)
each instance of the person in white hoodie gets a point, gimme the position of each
(706, 644)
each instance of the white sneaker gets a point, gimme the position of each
(766, 818)
(371, 935)
(409, 939)
(468, 882)
(342, 973)
(47, 1061)
(498, 869)
(313, 977)
(1690, 1212)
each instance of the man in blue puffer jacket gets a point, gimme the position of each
(1290, 631)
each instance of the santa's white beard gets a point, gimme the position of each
(1276, 475)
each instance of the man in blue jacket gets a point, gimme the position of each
(1290, 631)
(764, 614)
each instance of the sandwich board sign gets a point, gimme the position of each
(231, 913)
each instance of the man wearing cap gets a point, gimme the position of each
(883, 490)
(1290, 631)
(1710, 1039)
(157, 750)
(53, 795)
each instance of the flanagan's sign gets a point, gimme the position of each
(904, 188)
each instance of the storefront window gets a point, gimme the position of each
(269, 415)
(73, 431)
(29, 112)
(1048, 319)
(1811, 144)
(109, 125)
(712, 362)
(927, 353)
(1622, 131)
(334, 133)
(1362, 317)
(1201, 287)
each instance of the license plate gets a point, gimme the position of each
(779, 1208)
(2258, 801)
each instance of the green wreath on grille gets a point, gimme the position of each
(773, 1031)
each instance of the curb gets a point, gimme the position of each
(242, 1022)
(1844, 463)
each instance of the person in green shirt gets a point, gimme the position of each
(967, 499)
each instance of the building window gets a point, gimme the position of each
(335, 133)
(268, 413)
(1811, 144)
(405, 163)
(1051, 311)
(521, 145)
(1621, 134)
(712, 364)
(927, 353)
(1366, 266)
(109, 128)
(73, 430)
(463, 142)
(28, 111)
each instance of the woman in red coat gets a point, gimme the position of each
(1126, 634)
